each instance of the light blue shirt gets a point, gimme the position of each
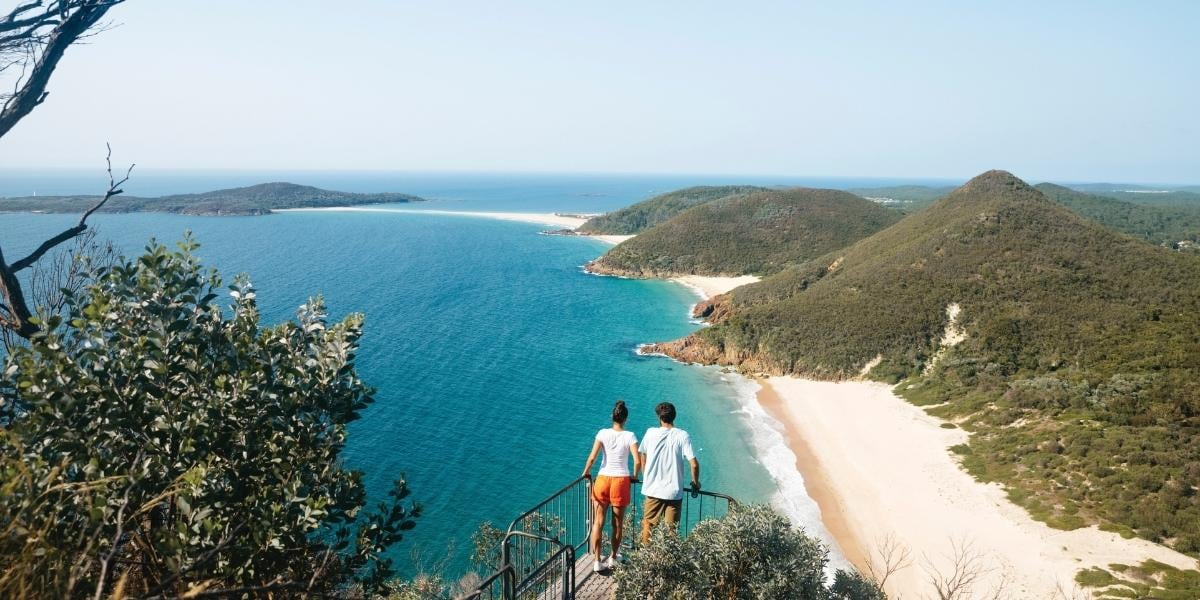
(667, 451)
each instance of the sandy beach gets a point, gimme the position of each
(879, 467)
(707, 287)
(554, 219)
(564, 221)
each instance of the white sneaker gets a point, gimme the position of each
(598, 565)
(613, 561)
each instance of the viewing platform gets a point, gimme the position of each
(544, 552)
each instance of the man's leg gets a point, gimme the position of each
(671, 509)
(650, 516)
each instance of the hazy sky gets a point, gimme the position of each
(1049, 90)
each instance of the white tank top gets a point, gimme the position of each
(617, 446)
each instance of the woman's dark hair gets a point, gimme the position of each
(620, 413)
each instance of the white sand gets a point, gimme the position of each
(707, 287)
(612, 239)
(879, 466)
(564, 221)
(555, 219)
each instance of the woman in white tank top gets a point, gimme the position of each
(611, 486)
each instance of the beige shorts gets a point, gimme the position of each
(662, 510)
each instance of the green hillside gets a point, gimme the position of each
(1156, 224)
(757, 233)
(251, 200)
(1079, 374)
(648, 213)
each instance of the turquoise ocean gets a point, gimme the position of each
(496, 358)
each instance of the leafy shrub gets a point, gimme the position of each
(751, 553)
(152, 445)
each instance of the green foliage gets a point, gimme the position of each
(750, 553)
(1151, 579)
(648, 213)
(485, 547)
(852, 585)
(1155, 224)
(154, 445)
(759, 233)
(1078, 377)
(251, 200)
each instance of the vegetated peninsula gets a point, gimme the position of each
(258, 199)
(639, 217)
(757, 233)
(1076, 368)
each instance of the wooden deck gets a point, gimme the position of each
(593, 586)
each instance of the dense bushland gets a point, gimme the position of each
(1165, 225)
(648, 213)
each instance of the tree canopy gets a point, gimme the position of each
(155, 445)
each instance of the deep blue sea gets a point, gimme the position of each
(495, 356)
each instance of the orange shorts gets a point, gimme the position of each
(611, 490)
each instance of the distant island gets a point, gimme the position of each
(258, 199)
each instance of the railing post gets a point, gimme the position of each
(508, 582)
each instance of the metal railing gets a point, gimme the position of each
(493, 588)
(540, 547)
(697, 506)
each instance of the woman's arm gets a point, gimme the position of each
(637, 461)
(587, 469)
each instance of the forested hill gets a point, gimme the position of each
(753, 233)
(1079, 372)
(251, 200)
(1158, 224)
(638, 217)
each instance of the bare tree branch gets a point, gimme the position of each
(69, 19)
(17, 315)
(114, 189)
(890, 556)
(966, 568)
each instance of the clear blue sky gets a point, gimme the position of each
(1077, 91)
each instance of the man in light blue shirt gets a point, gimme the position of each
(664, 450)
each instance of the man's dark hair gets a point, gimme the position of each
(665, 412)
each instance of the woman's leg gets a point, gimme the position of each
(598, 513)
(618, 528)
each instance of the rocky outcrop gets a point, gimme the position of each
(714, 310)
(695, 349)
(600, 267)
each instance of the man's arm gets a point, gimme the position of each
(695, 473)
